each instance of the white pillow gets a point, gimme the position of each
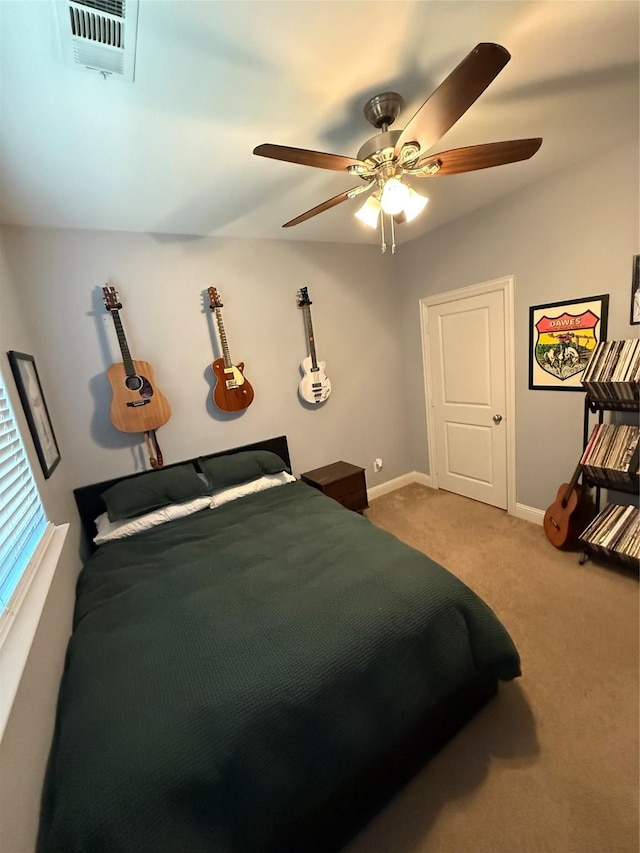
(109, 530)
(232, 493)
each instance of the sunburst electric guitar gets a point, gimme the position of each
(136, 405)
(232, 392)
(315, 386)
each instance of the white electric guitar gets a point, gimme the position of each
(314, 386)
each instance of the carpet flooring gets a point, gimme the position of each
(551, 765)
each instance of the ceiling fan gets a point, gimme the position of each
(385, 159)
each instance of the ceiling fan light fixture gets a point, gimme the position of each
(395, 196)
(415, 205)
(369, 212)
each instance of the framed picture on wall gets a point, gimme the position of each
(35, 408)
(635, 292)
(562, 337)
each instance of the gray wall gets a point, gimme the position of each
(573, 234)
(60, 274)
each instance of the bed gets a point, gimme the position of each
(260, 676)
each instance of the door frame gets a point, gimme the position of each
(505, 285)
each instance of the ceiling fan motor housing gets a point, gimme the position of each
(380, 151)
(380, 147)
(382, 110)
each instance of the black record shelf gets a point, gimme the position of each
(628, 482)
(599, 404)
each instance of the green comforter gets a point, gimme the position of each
(227, 670)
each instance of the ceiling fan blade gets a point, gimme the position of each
(474, 157)
(454, 96)
(304, 157)
(320, 208)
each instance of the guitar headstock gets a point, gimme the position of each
(214, 299)
(303, 297)
(111, 301)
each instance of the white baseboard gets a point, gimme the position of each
(397, 483)
(526, 513)
(423, 479)
(529, 513)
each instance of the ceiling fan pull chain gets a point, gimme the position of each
(383, 246)
(393, 235)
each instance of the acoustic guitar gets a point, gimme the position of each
(136, 405)
(232, 391)
(568, 514)
(315, 386)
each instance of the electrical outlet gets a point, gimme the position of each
(377, 464)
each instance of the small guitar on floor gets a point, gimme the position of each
(232, 392)
(315, 386)
(568, 514)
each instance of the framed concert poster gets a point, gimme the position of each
(562, 337)
(635, 292)
(35, 408)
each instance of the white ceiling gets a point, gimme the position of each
(172, 151)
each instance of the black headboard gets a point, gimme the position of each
(90, 504)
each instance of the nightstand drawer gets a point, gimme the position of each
(356, 501)
(347, 486)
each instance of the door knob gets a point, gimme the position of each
(497, 419)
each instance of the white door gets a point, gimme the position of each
(466, 349)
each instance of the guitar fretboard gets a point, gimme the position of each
(223, 339)
(124, 346)
(312, 343)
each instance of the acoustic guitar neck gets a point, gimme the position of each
(571, 485)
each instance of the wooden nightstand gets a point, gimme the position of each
(341, 481)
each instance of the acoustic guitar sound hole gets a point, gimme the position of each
(133, 383)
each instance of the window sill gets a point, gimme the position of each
(20, 621)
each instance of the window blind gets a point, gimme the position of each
(22, 516)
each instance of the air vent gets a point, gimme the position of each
(111, 7)
(99, 35)
(98, 28)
